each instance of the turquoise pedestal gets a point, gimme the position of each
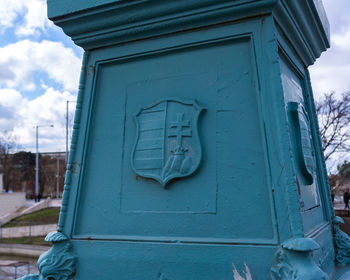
(195, 152)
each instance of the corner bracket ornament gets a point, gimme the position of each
(341, 242)
(56, 264)
(294, 261)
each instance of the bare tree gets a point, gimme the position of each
(340, 181)
(7, 146)
(334, 120)
(344, 169)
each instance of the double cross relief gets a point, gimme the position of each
(178, 163)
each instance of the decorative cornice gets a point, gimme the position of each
(123, 21)
(102, 23)
(305, 25)
(58, 262)
(64, 7)
(294, 261)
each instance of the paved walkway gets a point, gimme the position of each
(25, 250)
(339, 206)
(31, 230)
(53, 203)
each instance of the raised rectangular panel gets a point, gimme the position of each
(140, 261)
(303, 149)
(206, 205)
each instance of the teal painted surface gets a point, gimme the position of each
(61, 8)
(93, 26)
(169, 261)
(195, 152)
(303, 149)
(194, 216)
(294, 261)
(342, 243)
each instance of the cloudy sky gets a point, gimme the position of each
(39, 70)
(331, 72)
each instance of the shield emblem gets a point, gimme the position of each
(167, 143)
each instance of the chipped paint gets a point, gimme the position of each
(247, 274)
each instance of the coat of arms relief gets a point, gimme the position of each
(167, 143)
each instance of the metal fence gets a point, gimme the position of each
(13, 269)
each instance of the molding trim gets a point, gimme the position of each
(124, 21)
(92, 26)
(73, 146)
(294, 261)
(58, 262)
(306, 29)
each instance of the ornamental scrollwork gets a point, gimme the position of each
(56, 264)
(342, 243)
(294, 261)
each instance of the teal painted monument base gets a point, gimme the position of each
(195, 151)
(293, 259)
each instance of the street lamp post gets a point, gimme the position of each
(37, 158)
(58, 178)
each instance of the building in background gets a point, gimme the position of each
(1, 181)
(18, 173)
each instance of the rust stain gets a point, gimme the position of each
(89, 239)
(92, 68)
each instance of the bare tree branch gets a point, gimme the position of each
(7, 146)
(334, 120)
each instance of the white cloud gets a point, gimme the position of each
(331, 72)
(9, 11)
(23, 115)
(29, 65)
(10, 99)
(342, 40)
(19, 62)
(338, 15)
(27, 16)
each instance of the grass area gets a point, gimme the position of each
(37, 240)
(41, 217)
